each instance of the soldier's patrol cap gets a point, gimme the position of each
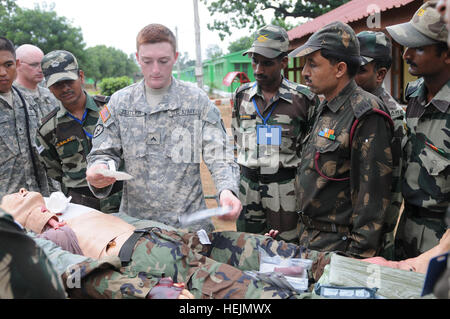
(336, 36)
(373, 46)
(59, 66)
(270, 41)
(426, 27)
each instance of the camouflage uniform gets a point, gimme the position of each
(25, 271)
(161, 148)
(345, 186)
(426, 187)
(41, 100)
(376, 47)
(16, 164)
(64, 142)
(215, 270)
(267, 195)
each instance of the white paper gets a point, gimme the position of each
(203, 237)
(120, 176)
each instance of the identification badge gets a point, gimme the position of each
(268, 134)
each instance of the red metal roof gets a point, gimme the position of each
(351, 11)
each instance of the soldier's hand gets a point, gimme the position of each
(98, 180)
(272, 233)
(228, 199)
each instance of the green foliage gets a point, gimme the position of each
(240, 14)
(40, 27)
(110, 85)
(240, 44)
(105, 62)
(213, 51)
(7, 7)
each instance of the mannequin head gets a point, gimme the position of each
(23, 201)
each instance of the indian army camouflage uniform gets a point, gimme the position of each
(342, 199)
(398, 117)
(376, 48)
(216, 270)
(268, 197)
(17, 167)
(64, 144)
(162, 148)
(345, 175)
(426, 187)
(25, 271)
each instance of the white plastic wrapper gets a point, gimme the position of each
(57, 202)
(297, 283)
(203, 214)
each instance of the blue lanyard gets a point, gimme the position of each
(270, 113)
(81, 122)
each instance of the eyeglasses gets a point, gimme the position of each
(35, 65)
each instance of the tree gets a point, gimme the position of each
(7, 7)
(42, 28)
(249, 14)
(107, 62)
(213, 51)
(185, 61)
(240, 44)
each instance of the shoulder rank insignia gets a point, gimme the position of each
(70, 139)
(327, 133)
(105, 114)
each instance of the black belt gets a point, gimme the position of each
(420, 212)
(87, 192)
(128, 247)
(322, 226)
(282, 175)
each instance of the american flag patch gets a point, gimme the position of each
(105, 114)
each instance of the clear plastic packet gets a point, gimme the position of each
(269, 265)
(203, 214)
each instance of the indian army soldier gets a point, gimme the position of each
(345, 175)
(376, 56)
(269, 121)
(65, 135)
(426, 186)
(29, 76)
(19, 163)
(160, 127)
(25, 271)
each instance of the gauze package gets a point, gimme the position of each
(57, 202)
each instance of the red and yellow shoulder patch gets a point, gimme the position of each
(105, 114)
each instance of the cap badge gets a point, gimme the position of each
(262, 38)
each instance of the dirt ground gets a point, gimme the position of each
(208, 185)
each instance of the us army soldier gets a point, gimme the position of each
(426, 186)
(345, 174)
(19, 163)
(269, 121)
(29, 76)
(376, 56)
(160, 127)
(65, 136)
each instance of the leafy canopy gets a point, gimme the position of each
(240, 14)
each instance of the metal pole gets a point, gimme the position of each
(178, 49)
(198, 64)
